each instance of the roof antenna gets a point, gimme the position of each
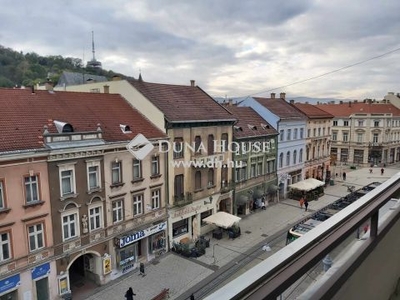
(140, 79)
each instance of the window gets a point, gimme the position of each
(156, 199)
(180, 227)
(117, 211)
(294, 157)
(32, 188)
(2, 195)
(197, 144)
(224, 142)
(375, 138)
(137, 204)
(210, 144)
(360, 123)
(281, 160)
(155, 165)
(204, 215)
(137, 169)
(359, 137)
(253, 169)
(345, 136)
(197, 180)
(334, 135)
(260, 166)
(70, 226)
(210, 177)
(345, 123)
(178, 186)
(116, 174)
(95, 218)
(93, 170)
(288, 158)
(295, 134)
(5, 249)
(178, 148)
(289, 134)
(301, 133)
(319, 131)
(67, 180)
(335, 123)
(301, 156)
(314, 132)
(36, 237)
(309, 133)
(281, 133)
(376, 123)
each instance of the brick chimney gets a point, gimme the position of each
(272, 95)
(106, 89)
(230, 102)
(283, 96)
(291, 101)
(48, 85)
(192, 83)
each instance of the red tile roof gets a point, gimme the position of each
(24, 114)
(281, 108)
(181, 103)
(312, 111)
(251, 124)
(345, 110)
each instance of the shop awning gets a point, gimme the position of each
(307, 185)
(258, 193)
(222, 219)
(242, 199)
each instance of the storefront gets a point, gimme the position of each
(9, 287)
(40, 278)
(141, 245)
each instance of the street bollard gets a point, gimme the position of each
(327, 261)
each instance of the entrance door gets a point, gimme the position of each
(42, 289)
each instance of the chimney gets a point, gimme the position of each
(340, 102)
(283, 96)
(349, 103)
(291, 101)
(230, 103)
(106, 89)
(48, 85)
(272, 95)
(192, 83)
(33, 89)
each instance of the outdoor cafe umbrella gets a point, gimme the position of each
(222, 219)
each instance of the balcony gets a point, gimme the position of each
(227, 186)
(182, 199)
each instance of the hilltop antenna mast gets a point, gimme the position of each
(93, 63)
(93, 51)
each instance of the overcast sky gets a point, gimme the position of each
(231, 48)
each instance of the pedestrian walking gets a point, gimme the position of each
(344, 176)
(129, 294)
(382, 171)
(192, 297)
(306, 204)
(141, 269)
(370, 171)
(301, 202)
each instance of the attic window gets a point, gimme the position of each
(238, 128)
(63, 127)
(125, 128)
(265, 126)
(252, 127)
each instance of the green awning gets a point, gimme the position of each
(258, 193)
(242, 199)
(272, 189)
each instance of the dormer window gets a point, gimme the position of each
(125, 128)
(252, 127)
(265, 126)
(63, 127)
(237, 128)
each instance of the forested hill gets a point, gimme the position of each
(19, 69)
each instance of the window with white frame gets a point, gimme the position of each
(281, 133)
(5, 246)
(334, 135)
(309, 132)
(36, 237)
(137, 204)
(178, 148)
(360, 123)
(117, 210)
(345, 136)
(376, 123)
(155, 199)
(260, 166)
(281, 160)
(288, 158)
(359, 137)
(314, 132)
(93, 173)
(95, 218)
(137, 169)
(116, 172)
(253, 167)
(31, 188)
(345, 123)
(319, 131)
(375, 138)
(301, 133)
(70, 226)
(155, 165)
(2, 195)
(289, 134)
(335, 123)
(301, 156)
(67, 180)
(294, 157)
(295, 134)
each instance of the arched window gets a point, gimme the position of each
(294, 157)
(197, 144)
(288, 158)
(281, 160)
(301, 156)
(197, 180)
(211, 177)
(210, 144)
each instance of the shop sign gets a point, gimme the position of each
(138, 235)
(106, 264)
(187, 210)
(40, 271)
(10, 283)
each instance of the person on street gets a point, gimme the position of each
(370, 171)
(344, 176)
(129, 294)
(301, 202)
(382, 171)
(306, 204)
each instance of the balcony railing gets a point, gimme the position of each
(227, 186)
(182, 199)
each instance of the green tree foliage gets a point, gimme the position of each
(17, 69)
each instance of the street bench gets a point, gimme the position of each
(163, 295)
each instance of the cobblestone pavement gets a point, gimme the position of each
(180, 274)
